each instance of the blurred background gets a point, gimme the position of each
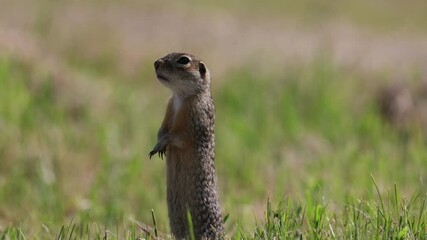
(312, 97)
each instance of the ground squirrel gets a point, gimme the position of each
(396, 104)
(187, 139)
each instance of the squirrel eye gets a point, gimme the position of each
(183, 60)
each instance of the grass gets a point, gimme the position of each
(301, 152)
(299, 136)
(370, 14)
(385, 218)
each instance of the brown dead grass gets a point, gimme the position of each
(131, 34)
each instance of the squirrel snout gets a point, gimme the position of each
(158, 63)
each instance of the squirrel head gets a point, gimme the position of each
(183, 73)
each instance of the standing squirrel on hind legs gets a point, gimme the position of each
(187, 139)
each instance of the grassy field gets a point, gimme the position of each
(301, 149)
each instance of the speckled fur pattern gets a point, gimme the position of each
(189, 151)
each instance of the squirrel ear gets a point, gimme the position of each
(202, 69)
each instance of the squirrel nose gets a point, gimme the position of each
(157, 63)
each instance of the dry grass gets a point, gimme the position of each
(124, 36)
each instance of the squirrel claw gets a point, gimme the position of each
(151, 154)
(161, 153)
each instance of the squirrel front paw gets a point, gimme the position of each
(160, 149)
